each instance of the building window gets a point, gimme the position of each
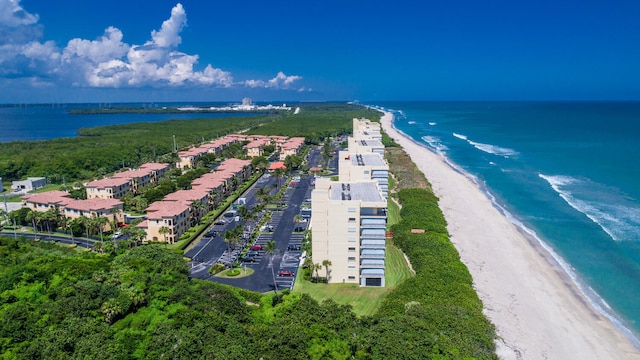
(351, 229)
(352, 249)
(352, 267)
(352, 220)
(351, 209)
(352, 258)
(351, 277)
(351, 239)
(366, 171)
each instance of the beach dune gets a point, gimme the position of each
(536, 309)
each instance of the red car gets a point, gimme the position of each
(256, 248)
(285, 273)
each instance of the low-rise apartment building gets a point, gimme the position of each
(291, 147)
(137, 178)
(172, 214)
(111, 209)
(198, 200)
(109, 188)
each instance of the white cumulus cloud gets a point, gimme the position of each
(281, 81)
(108, 61)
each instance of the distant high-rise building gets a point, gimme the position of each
(247, 101)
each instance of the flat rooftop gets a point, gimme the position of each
(367, 159)
(355, 191)
(370, 142)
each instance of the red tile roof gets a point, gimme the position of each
(108, 182)
(277, 165)
(164, 209)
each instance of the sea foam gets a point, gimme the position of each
(488, 148)
(617, 215)
(493, 149)
(435, 143)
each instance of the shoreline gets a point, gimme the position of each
(527, 292)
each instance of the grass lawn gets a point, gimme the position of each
(393, 213)
(364, 300)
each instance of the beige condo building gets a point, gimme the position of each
(362, 167)
(348, 228)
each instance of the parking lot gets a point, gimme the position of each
(283, 262)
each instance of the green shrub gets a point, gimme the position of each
(216, 268)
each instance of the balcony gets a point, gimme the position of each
(372, 264)
(373, 234)
(372, 244)
(366, 254)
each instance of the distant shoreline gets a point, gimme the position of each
(165, 110)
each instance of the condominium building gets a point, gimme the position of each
(366, 129)
(366, 146)
(348, 229)
(71, 208)
(364, 166)
(172, 214)
(109, 188)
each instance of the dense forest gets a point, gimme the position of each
(140, 303)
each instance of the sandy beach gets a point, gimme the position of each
(537, 310)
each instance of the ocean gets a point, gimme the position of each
(566, 172)
(43, 122)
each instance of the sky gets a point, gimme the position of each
(193, 50)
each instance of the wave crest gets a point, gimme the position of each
(488, 148)
(435, 143)
(613, 212)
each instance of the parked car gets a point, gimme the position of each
(285, 273)
(256, 248)
(294, 247)
(252, 253)
(249, 259)
(212, 233)
(219, 222)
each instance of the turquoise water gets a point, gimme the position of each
(570, 172)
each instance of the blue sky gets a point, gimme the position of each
(89, 51)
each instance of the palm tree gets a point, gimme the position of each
(326, 264)
(270, 248)
(308, 263)
(317, 268)
(279, 173)
(98, 247)
(164, 230)
(33, 217)
(47, 217)
(3, 217)
(86, 222)
(99, 223)
(231, 239)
